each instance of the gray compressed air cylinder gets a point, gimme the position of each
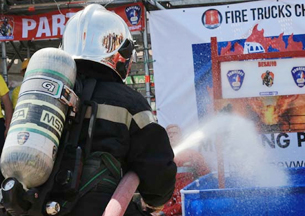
(33, 138)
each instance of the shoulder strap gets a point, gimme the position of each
(89, 86)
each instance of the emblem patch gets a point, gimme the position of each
(236, 78)
(298, 74)
(268, 78)
(133, 14)
(22, 137)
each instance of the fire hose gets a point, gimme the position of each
(122, 195)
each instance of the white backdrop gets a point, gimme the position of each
(180, 45)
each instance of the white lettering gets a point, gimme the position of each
(235, 72)
(58, 21)
(27, 25)
(298, 69)
(44, 27)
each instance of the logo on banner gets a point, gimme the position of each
(22, 137)
(236, 78)
(6, 28)
(133, 14)
(268, 78)
(298, 74)
(211, 19)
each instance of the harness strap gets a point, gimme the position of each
(108, 172)
(89, 86)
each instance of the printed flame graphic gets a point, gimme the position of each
(271, 109)
(284, 112)
(271, 114)
(257, 36)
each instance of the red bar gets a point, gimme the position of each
(147, 79)
(215, 69)
(286, 54)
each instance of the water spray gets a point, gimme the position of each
(236, 142)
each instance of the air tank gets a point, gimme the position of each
(38, 120)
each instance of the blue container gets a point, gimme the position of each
(203, 197)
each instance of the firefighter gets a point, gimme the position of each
(125, 126)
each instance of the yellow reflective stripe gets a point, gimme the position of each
(41, 103)
(121, 115)
(112, 113)
(144, 118)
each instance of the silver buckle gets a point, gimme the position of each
(69, 98)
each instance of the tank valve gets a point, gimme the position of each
(52, 208)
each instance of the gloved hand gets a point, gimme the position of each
(153, 209)
(160, 213)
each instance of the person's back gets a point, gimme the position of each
(125, 127)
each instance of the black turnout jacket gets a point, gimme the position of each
(126, 128)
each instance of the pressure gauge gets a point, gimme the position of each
(8, 185)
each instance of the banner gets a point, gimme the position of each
(51, 25)
(183, 73)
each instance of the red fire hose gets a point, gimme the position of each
(122, 195)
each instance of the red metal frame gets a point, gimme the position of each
(217, 59)
(217, 88)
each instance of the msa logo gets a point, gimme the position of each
(51, 120)
(20, 114)
(48, 86)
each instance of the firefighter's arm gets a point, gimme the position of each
(151, 157)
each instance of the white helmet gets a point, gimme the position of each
(99, 35)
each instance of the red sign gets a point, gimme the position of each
(52, 24)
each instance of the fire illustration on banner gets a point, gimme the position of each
(258, 43)
(271, 112)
